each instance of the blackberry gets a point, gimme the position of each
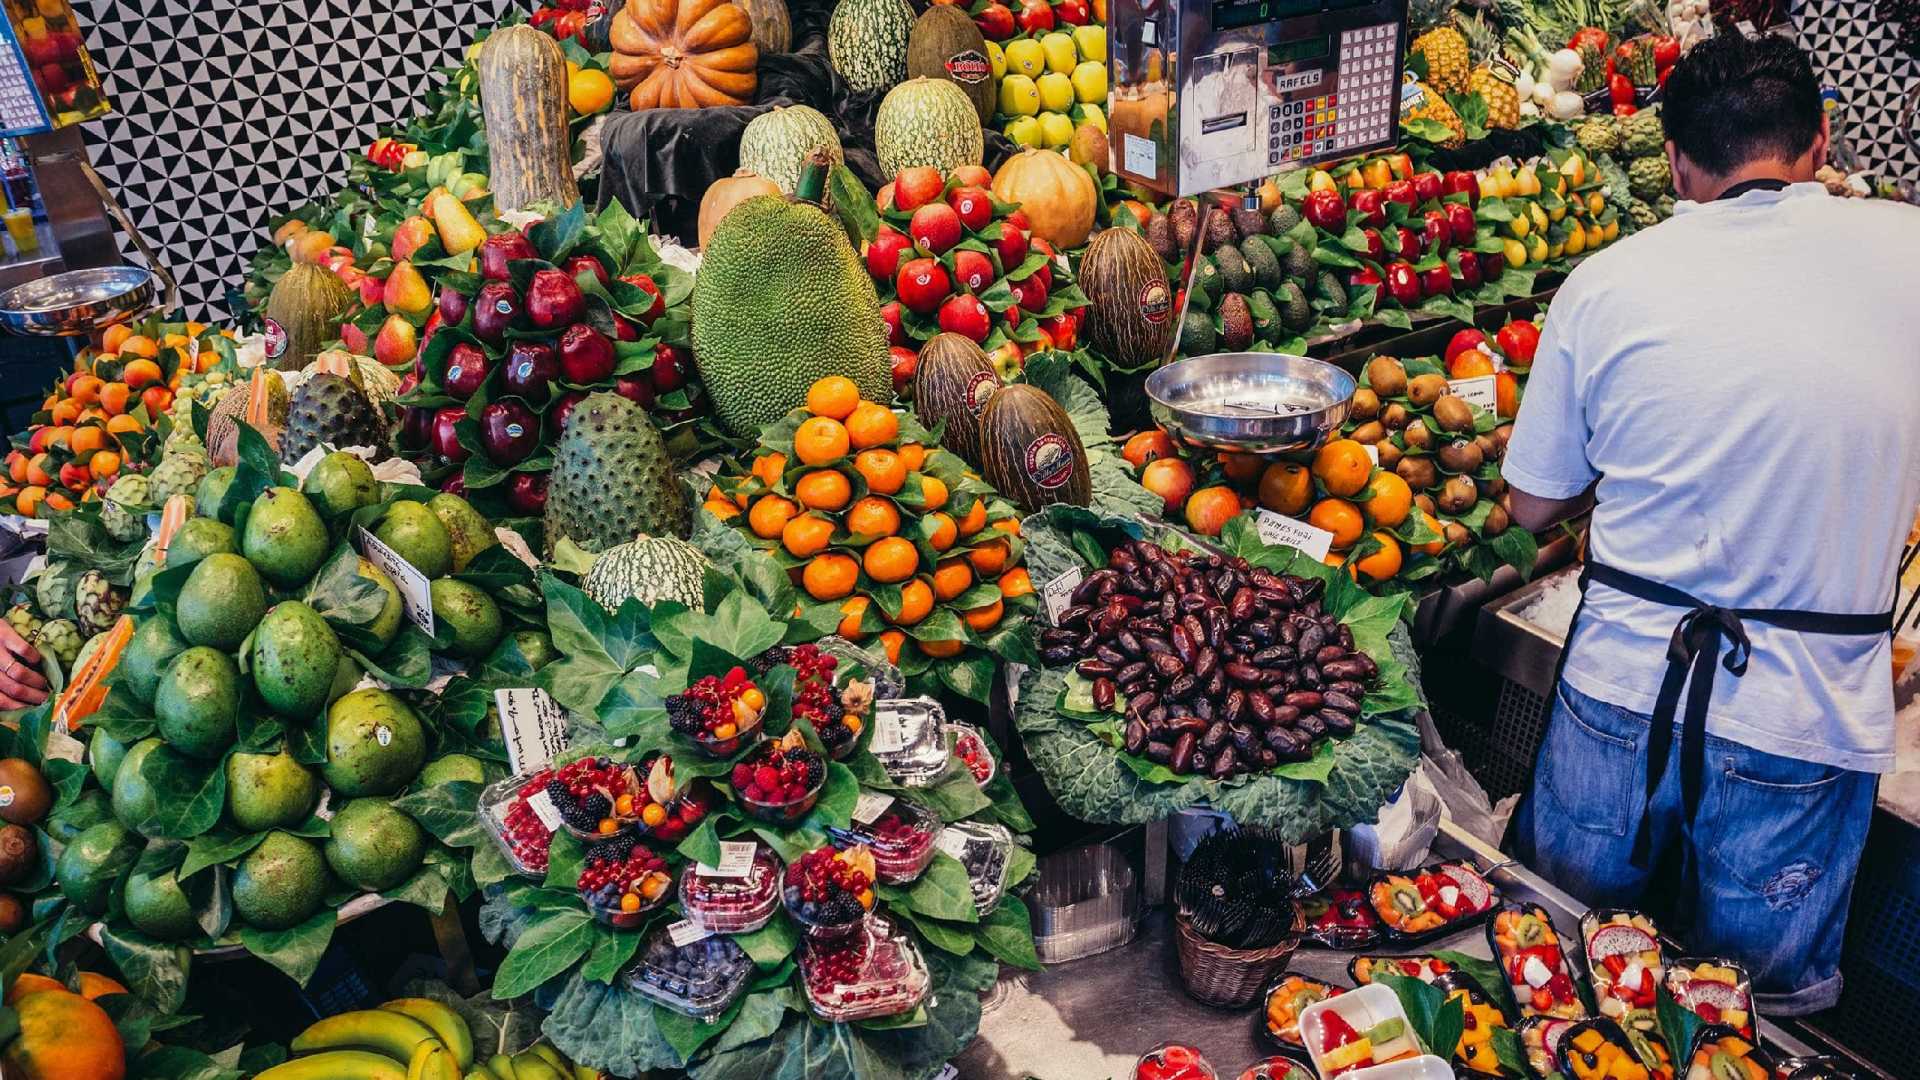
(598, 805)
(769, 660)
(572, 811)
(683, 714)
(816, 770)
(842, 908)
(615, 850)
(835, 734)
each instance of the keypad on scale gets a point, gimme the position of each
(1369, 75)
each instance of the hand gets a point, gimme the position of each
(21, 684)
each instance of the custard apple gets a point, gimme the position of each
(1597, 135)
(1648, 177)
(97, 602)
(178, 474)
(53, 589)
(24, 621)
(124, 511)
(60, 639)
(1644, 135)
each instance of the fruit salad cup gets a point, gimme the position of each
(1357, 1030)
(1341, 918)
(1173, 1061)
(1596, 1049)
(1721, 1053)
(1713, 989)
(1625, 964)
(1540, 1038)
(874, 973)
(699, 979)
(828, 893)
(595, 797)
(720, 713)
(1285, 1000)
(1532, 955)
(1362, 969)
(623, 881)
(834, 689)
(1431, 901)
(779, 781)
(668, 809)
(901, 840)
(1479, 1019)
(1276, 1068)
(720, 901)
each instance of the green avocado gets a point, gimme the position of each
(269, 791)
(417, 535)
(221, 602)
(284, 538)
(281, 883)
(469, 614)
(90, 868)
(375, 745)
(372, 846)
(198, 702)
(157, 906)
(339, 484)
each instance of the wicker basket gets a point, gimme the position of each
(1225, 977)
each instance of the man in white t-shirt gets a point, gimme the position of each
(1738, 391)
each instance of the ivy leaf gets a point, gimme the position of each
(942, 891)
(188, 795)
(218, 846)
(1007, 933)
(296, 950)
(154, 970)
(611, 951)
(449, 811)
(545, 949)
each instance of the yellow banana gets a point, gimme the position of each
(553, 1058)
(338, 1065)
(443, 1022)
(582, 1072)
(481, 1072)
(502, 1066)
(432, 1061)
(390, 1033)
(528, 1065)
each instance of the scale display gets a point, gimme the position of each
(1214, 93)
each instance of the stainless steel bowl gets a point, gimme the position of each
(78, 301)
(1251, 402)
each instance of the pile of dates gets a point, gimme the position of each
(1223, 668)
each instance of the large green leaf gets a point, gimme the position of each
(551, 945)
(296, 950)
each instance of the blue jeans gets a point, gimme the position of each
(1774, 847)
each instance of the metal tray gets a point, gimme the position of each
(1251, 402)
(1514, 647)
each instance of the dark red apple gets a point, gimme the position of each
(1492, 265)
(1472, 268)
(1370, 202)
(467, 370)
(670, 366)
(1401, 191)
(1428, 186)
(1326, 209)
(500, 249)
(416, 428)
(1363, 276)
(637, 388)
(563, 408)
(883, 253)
(1460, 223)
(1045, 273)
(446, 439)
(1031, 293)
(495, 311)
(586, 356)
(1403, 283)
(555, 300)
(645, 282)
(973, 204)
(582, 263)
(1406, 243)
(527, 492)
(531, 365)
(1461, 182)
(1036, 17)
(624, 329)
(453, 305)
(996, 21)
(455, 485)
(1376, 250)
(967, 316)
(509, 432)
(905, 363)
(1437, 281)
(1436, 232)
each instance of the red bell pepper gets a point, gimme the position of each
(1620, 89)
(1625, 110)
(1589, 35)
(1666, 52)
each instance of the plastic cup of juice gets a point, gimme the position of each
(20, 228)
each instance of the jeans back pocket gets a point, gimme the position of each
(1592, 763)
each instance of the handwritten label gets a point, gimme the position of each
(1292, 532)
(954, 843)
(736, 860)
(1056, 596)
(685, 933)
(870, 805)
(1479, 391)
(534, 727)
(1137, 155)
(542, 806)
(416, 592)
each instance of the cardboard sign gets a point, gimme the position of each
(1284, 531)
(1479, 392)
(534, 727)
(1056, 596)
(416, 592)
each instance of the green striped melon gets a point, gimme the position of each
(927, 122)
(649, 569)
(776, 144)
(867, 42)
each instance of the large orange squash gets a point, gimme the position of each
(684, 54)
(1057, 195)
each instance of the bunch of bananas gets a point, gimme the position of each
(412, 1039)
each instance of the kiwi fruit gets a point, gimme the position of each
(1424, 390)
(1457, 534)
(1387, 377)
(1417, 435)
(1492, 489)
(25, 796)
(1460, 456)
(1365, 404)
(1390, 454)
(1419, 472)
(1527, 932)
(1395, 416)
(1458, 495)
(1370, 432)
(1500, 435)
(13, 914)
(1453, 414)
(1497, 521)
(1489, 450)
(1424, 501)
(1725, 1066)
(19, 853)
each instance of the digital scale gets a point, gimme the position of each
(1212, 93)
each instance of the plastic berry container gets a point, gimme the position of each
(719, 714)
(909, 742)
(857, 662)
(776, 811)
(699, 979)
(621, 889)
(833, 914)
(596, 797)
(986, 851)
(725, 904)
(970, 749)
(1173, 1061)
(901, 839)
(521, 821)
(873, 974)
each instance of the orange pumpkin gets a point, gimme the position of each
(1057, 195)
(684, 54)
(728, 192)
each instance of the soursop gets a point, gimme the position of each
(24, 622)
(1644, 135)
(1648, 177)
(329, 409)
(650, 569)
(612, 480)
(53, 589)
(60, 639)
(1597, 135)
(177, 474)
(97, 603)
(123, 513)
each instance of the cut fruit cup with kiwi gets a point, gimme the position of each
(1284, 1000)
(1721, 1053)
(1716, 990)
(1533, 958)
(1624, 960)
(1597, 1049)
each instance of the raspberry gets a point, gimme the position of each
(742, 775)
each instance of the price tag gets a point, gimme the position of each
(1057, 595)
(947, 1071)
(1137, 154)
(870, 805)
(534, 727)
(542, 806)
(736, 860)
(953, 842)
(889, 734)
(1479, 391)
(416, 592)
(1291, 532)
(685, 933)
(1373, 452)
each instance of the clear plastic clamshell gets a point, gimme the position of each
(986, 850)
(873, 974)
(971, 750)
(909, 740)
(739, 895)
(521, 821)
(699, 979)
(901, 838)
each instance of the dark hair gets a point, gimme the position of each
(1732, 100)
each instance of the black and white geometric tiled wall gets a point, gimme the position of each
(227, 111)
(1853, 50)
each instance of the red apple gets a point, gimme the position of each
(670, 366)
(446, 440)
(922, 284)
(1036, 16)
(1428, 186)
(581, 263)
(467, 371)
(935, 228)
(972, 270)
(890, 314)
(1326, 209)
(996, 21)
(554, 300)
(1437, 281)
(1460, 223)
(495, 310)
(973, 204)
(1403, 284)
(967, 316)
(1401, 191)
(1472, 272)
(1011, 247)
(509, 432)
(586, 356)
(637, 388)
(527, 492)
(1031, 293)
(916, 187)
(563, 407)
(1463, 341)
(500, 249)
(905, 363)
(531, 366)
(1370, 202)
(883, 253)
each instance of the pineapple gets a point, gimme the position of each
(1493, 83)
(1431, 106)
(1441, 43)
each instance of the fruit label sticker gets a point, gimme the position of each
(736, 860)
(324, 808)
(1057, 595)
(685, 933)
(953, 843)
(383, 735)
(1137, 155)
(542, 806)
(1049, 460)
(64, 746)
(1284, 531)
(1373, 452)
(534, 727)
(979, 389)
(416, 593)
(889, 734)
(1479, 392)
(969, 67)
(6, 795)
(1156, 302)
(276, 339)
(871, 804)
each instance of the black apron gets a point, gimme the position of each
(1697, 639)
